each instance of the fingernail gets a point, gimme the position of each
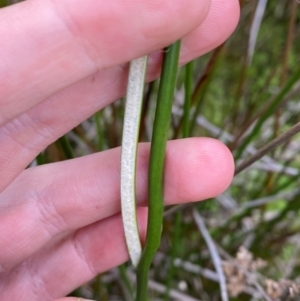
(81, 299)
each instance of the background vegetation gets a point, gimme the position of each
(245, 244)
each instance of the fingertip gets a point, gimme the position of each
(203, 169)
(219, 24)
(220, 168)
(225, 19)
(74, 299)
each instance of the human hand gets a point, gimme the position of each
(61, 62)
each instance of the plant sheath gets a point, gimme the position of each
(136, 81)
(156, 166)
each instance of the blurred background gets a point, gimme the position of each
(245, 244)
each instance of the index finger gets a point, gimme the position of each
(52, 44)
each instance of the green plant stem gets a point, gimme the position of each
(40, 159)
(156, 166)
(270, 146)
(66, 147)
(188, 85)
(199, 104)
(145, 108)
(272, 108)
(200, 88)
(100, 134)
(123, 274)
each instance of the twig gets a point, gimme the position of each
(196, 269)
(289, 267)
(227, 137)
(260, 10)
(214, 254)
(286, 195)
(173, 293)
(227, 201)
(270, 146)
(275, 168)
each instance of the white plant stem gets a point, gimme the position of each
(133, 108)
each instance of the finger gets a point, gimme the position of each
(31, 132)
(52, 44)
(73, 299)
(218, 25)
(47, 201)
(76, 259)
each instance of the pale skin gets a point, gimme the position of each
(60, 224)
